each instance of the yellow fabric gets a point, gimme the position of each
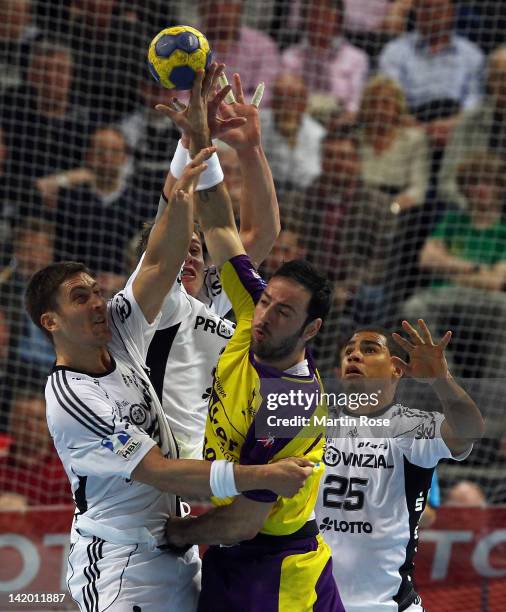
(234, 402)
(299, 575)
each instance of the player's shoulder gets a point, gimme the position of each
(412, 422)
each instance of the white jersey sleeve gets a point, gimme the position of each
(420, 439)
(81, 420)
(129, 323)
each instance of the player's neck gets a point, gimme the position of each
(94, 360)
(284, 363)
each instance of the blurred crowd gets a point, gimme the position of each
(383, 123)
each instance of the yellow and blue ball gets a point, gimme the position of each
(176, 54)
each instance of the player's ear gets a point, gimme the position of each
(49, 321)
(312, 329)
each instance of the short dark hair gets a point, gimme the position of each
(40, 295)
(304, 273)
(394, 349)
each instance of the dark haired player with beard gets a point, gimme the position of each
(377, 476)
(274, 559)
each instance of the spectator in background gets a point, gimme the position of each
(31, 474)
(30, 353)
(334, 71)
(291, 137)
(370, 17)
(96, 216)
(151, 138)
(289, 245)
(17, 37)
(394, 156)
(440, 72)
(465, 494)
(44, 131)
(466, 255)
(483, 127)
(251, 53)
(349, 233)
(110, 54)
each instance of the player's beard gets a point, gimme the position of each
(270, 352)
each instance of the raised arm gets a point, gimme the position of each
(168, 242)
(463, 421)
(259, 210)
(212, 205)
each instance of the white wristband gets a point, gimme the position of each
(212, 175)
(179, 161)
(222, 480)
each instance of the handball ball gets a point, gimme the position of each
(176, 54)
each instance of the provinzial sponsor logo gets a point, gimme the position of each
(329, 524)
(333, 457)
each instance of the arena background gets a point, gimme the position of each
(387, 146)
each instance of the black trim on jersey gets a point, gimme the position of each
(85, 407)
(92, 574)
(417, 480)
(80, 494)
(61, 368)
(158, 355)
(74, 411)
(313, 444)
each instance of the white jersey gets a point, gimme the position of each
(371, 497)
(212, 294)
(102, 427)
(182, 357)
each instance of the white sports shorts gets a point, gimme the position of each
(103, 576)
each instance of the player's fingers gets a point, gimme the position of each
(239, 93)
(178, 105)
(223, 81)
(303, 462)
(425, 332)
(221, 95)
(175, 116)
(258, 95)
(413, 334)
(399, 363)
(402, 342)
(181, 196)
(445, 340)
(231, 124)
(215, 78)
(208, 79)
(202, 155)
(197, 85)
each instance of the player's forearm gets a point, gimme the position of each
(190, 477)
(218, 526)
(214, 212)
(260, 224)
(461, 412)
(168, 188)
(170, 237)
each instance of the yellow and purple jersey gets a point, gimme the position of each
(238, 408)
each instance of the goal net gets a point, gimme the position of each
(383, 123)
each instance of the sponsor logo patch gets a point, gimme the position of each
(122, 444)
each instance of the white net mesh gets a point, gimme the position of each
(384, 127)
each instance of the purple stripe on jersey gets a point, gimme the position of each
(249, 277)
(247, 577)
(327, 593)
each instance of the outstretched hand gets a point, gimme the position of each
(201, 113)
(426, 358)
(248, 134)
